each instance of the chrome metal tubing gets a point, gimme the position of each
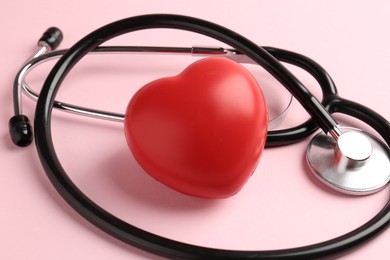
(20, 83)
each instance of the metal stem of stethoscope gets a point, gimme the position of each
(43, 48)
(43, 54)
(52, 38)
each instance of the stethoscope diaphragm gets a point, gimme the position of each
(356, 164)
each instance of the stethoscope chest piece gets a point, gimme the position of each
(357, 163)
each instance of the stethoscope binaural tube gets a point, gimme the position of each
(275, 138)
(146, 240)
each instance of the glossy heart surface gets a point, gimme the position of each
(201, 132)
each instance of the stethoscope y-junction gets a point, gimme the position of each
(344, 158)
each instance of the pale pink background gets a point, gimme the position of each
(281, 206)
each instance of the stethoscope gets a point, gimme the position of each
(344, 158)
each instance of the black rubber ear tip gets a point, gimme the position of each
(53, 37)
(20, 130)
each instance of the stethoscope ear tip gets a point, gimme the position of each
(52, 37)
(20, 130)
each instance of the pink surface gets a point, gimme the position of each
(281, 205)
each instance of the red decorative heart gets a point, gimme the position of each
(201, 132)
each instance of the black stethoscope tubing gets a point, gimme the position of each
(330, 100)
(167, 247)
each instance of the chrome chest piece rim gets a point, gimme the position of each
(357, 163)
